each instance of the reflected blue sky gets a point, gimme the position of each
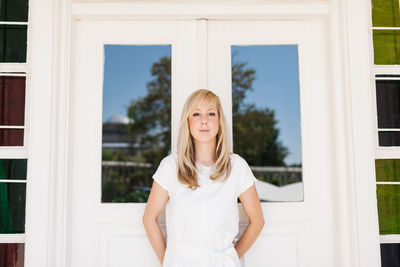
(276, 87)
(127, 70)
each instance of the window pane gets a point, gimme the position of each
(266, 118)
(11, 137)
(388, 103)
(388, 208)
(386, 47)
(387, 170)
(13, 43)
(12, 207)
(385, 13)
(390, 255)
(389, 138)
(12, 255)
(13, 169)
(14, 10)
(136, 119)
(12, 100)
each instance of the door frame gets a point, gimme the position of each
(357, 219)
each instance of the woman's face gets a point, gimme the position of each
(204, 122)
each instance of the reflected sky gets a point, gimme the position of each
(277, 87)
(127, 70)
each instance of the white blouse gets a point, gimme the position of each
(202, 223)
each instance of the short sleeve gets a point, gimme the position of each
(162, 174)
(246, 177)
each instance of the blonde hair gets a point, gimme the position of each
(186, 150)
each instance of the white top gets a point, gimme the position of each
(202, 223)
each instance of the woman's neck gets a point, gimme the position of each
(205, 153)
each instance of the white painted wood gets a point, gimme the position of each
(12, 238)
(90, 221)
(201, 9)
(314, 216)
(37, 134)
(387, 152)
(13, 152)
(385, 239)
(13, 67)
(202, 53)
(357, 15)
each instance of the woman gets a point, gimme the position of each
(200, 185)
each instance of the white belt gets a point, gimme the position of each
(224, 258)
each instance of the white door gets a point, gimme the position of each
(297, 233)
(111, 234)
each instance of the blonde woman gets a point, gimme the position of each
(200, 185)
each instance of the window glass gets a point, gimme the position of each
(385, 13)
(13, 43)
(14, 10)
(387, 138)
(12, 255)
(388, 208)
(136, 119)
(12, 205)
(13, 169)
(266, 118)
(387, 170)
(11, 137)
(390, 255)
(386, 47)
(12, 100)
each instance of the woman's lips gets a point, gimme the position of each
(204, 131)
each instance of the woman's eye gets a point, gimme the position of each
(212, 114)
(195, 114)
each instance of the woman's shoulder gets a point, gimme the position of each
(236, 159)
(170, 159)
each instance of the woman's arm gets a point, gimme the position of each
(157, 199)
(252, 207)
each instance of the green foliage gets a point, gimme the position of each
(152, 114)
(135, 196)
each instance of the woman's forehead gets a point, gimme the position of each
(204, 104)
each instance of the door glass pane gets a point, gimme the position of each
(266, 118)
(387, 138)
(387, 170)
(388, 103)
(385, 13)
(12, 100)
(386, 47)
(13, 43)
(13, 169)
(390, 255)
(136, 119)
(12, 208)
(12, 255)
(388, 208)
(11, 137)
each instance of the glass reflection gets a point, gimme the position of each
(12, 100)
(266, 118)
(388, 103)
(388, 208)
(385, 13)
(387, 170)
(12, 207)
(13, 43)
(12, 254)
(136, 119)
(386, 47)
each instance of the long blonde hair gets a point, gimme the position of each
(187, 173)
